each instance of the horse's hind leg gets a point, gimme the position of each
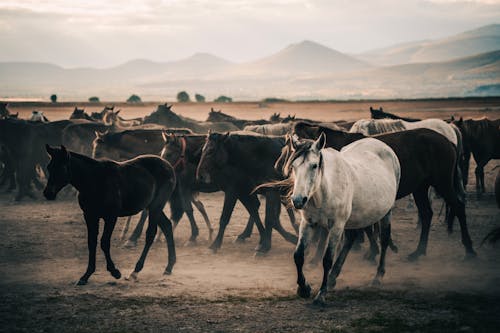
(479, 179)
(273, 209)
(125, 229)
(92, 232)
(385, 237)
(247, 232)
(350, 238)
(373, 251)
(150, 237)
(201, 208)
(132, 240)
(109, 226)
(166, 228)
(425, 214)
(227, 210)
(459, 211)
(188, 208)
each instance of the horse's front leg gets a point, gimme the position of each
(109, 226)
(305, 230)
(334, 237)
(92, 232)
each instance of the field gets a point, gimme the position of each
(43, 252)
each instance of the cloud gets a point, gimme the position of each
(104, 33)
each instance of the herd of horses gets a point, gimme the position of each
(342, 177)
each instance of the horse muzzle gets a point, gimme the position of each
(299, 201)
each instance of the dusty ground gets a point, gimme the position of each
(43, 252)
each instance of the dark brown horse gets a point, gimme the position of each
(215, 116)
(166, 117)
(108, 190)
(237, 163)
(380, 114)
(481, 138)
(427, 159)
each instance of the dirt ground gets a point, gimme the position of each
(43, 253)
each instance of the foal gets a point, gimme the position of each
(108, 190)
(350, 189)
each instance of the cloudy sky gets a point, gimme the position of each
(105, 33)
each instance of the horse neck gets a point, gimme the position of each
(82, 172)
(193, 147)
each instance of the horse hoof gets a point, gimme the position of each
(369, 256)
(167, 271)
(190, 243)
(376, 282)
(240, 240)
(116, 273)
(262, 248)
(304, 292)
(130, 244)
(81, 282)
(319, 300)
(470, 256)
(132, 277)
(413, 257)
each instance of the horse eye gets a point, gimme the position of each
(314, 166)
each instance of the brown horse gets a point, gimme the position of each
(481, 138)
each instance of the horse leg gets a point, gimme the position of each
(125, 228)
(303, 289)
(293, 220)
(479, 179)
(372, 253)
(92, 232)
(132, 240)
(201, 208)
(194, 228)
(350, 238)
(385, 236)
(465, 167)
(252, 204)
(360, 239)
(320, 236)
(459, 211)
(425, 213)
(334, 236)
(273, 210)
(109, 226)
(166, 227)
(227, 210)
(150, 237)
(247, 232)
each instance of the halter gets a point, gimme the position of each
(182, 157)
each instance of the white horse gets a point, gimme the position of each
(38, 116)
(351, 189)
(377, 126)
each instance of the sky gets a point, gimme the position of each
(99, 33)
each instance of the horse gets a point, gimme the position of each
(38, 116)
(237, 163)
(218, 116)
(427, 158)
(80, 114)
(353, 188)
(380, 114)
(481, 138)
(108, 190)
(112, 117)
(270, 129)
(132, 143)
(166, 117)
(4, 111)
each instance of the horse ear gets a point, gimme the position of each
(226, 136)
(371, 109)
(116, 113)
(49, 149)
(98, 135)
(321, 142)
(209, 131)
(452, 118)
(65, 152)
(212, 110)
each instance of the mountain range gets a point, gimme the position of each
(452, 66)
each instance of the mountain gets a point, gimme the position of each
(481, 40)
(304, 58)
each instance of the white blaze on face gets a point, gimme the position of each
(305, 172)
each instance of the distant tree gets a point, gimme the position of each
(223, 99)
(199, 98)
(274, 100)
(53, 98)
(134, 99)
(94, 99)
(183, 97)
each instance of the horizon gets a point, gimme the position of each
(75, 34)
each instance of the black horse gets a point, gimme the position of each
(380, 114)
(238, 163)
(427, 159)
(108, 190)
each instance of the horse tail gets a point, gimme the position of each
(458, 183)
